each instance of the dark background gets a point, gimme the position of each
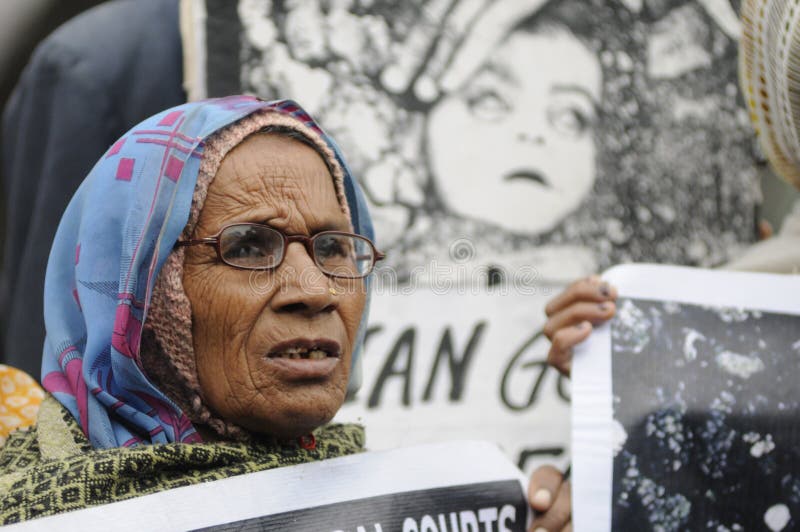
(687, 421)
(23, 23)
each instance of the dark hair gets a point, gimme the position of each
(571, 16)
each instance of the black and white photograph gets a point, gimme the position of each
(686, 411)
(418, 265)
(707, 418)
(547, 131)
(514, 144)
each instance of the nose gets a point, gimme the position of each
(302, 287)
(530, 138)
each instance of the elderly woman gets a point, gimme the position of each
(157, 249)
(208, 285)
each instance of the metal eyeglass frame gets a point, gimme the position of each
(307, 241)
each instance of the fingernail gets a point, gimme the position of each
(542, 499)
(605, 290)
(540, 529)
(580, 325)
(594, 279)
(603, 307)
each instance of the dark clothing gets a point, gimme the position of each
(89, 82)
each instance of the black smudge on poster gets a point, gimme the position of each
(488, 506)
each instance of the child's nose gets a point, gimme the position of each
(530, 138)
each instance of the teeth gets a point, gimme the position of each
(296, 353)
(317, 354)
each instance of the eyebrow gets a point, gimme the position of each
(327, 226)
(560, 87)
(333, 226)
(501, 71)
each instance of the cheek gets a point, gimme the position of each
(585, 167)
(446, 127)
(224, 310)
(572, 160)
(351, 309)
(454, 132)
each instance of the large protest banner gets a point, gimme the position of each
(506, 148)
(444, 487)
(686, 407)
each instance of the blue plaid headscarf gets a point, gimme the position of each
(111, 243)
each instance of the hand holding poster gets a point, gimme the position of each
(453, 487)
(686, 411)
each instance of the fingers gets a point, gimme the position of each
(765, 230)
(589, 289)
(560, 513)
(550, 498)
(577, 313)
(493, 24)
(451, 43)
(560, 354)
(543, 486)
(454, 31)
(397, 77)
(571, 316)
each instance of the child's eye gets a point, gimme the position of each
(568, 120)
(488, 105)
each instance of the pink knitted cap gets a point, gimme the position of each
(167, 350)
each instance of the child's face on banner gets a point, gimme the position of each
(515, 145)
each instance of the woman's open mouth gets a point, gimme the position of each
(303, 348)
(302, 358)
(299, 353)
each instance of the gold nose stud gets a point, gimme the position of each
(333, 291)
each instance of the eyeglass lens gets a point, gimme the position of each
(343, 255)
(251, 246)
(254, 246)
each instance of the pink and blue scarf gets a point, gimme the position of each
(111, 243)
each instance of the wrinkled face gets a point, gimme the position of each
(515, 145)
(250, 327)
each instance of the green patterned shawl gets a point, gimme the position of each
(52, 468)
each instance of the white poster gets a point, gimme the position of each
(455, 487)
(454, 371)
(686, 409)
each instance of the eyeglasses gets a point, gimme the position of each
(251, 246)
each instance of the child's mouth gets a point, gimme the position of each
(529, 176)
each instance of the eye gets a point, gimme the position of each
(487, 104)
(333, 246)
(246, 247)
(251, 246)
(568, 120)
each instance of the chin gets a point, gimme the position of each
(291, 431)
(292, 427)
(297, 419)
